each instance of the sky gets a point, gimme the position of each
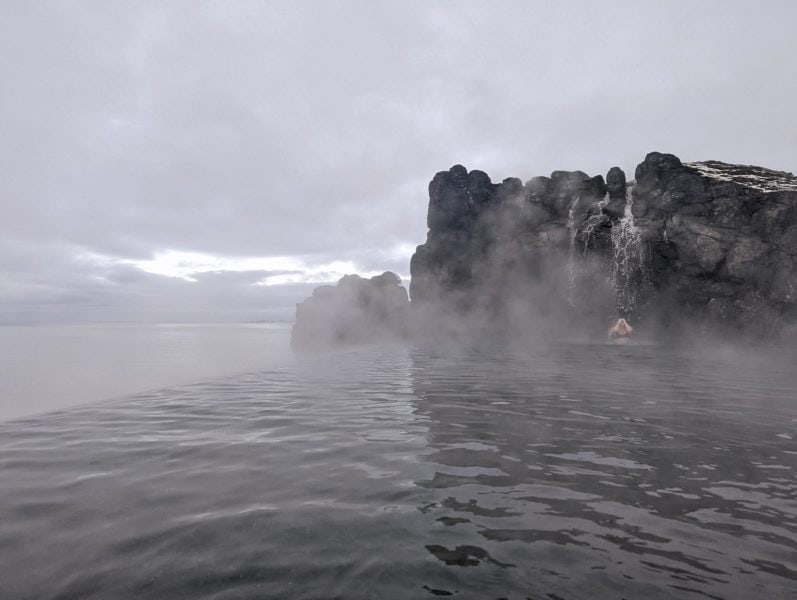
(215, 161)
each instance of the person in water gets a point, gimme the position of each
(621, 331)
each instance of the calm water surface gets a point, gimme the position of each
(45, 368)
(578, 472)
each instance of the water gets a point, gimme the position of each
(44, 368)
(580, 471)
(593, 221)
(571, 254)
(628, 266)
(587, 231)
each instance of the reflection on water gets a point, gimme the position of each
(578, 472)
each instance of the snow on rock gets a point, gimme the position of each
(757, 178)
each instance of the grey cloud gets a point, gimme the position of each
(125, 293)
(312, 129)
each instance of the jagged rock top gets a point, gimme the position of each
(757, 178)
(703, 243)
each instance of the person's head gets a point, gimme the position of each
(622, 327)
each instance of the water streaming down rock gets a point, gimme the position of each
(628, 259)
(583, 223)
(571, 254)
(593, 222)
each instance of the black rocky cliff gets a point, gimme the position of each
(684, 247)
(707, 245)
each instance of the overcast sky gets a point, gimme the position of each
(214, 161)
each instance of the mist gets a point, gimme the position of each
(686, 251)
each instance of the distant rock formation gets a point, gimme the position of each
(703, 243)
(354, 311)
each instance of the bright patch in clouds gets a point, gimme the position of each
(285, 269)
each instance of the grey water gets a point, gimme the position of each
(49, 367)
(577, 471)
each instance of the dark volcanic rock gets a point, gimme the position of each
(356, 310)
(706, 243)
(703, 246)
(720, 237)
(615, 183)
(493, 258)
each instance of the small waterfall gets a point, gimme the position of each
(571, 255)
(592, 223)
(628, 266)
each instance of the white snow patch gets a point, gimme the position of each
(757, 178)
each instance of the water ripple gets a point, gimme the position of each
(578, 472)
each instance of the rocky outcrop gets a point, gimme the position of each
(505, 254)
(354, 311)
(723, 241)
(706, 244)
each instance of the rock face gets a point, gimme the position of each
(699, 244)
(723, 241)
(508, 254)
(356, 310)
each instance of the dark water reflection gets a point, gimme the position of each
(581, 471)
